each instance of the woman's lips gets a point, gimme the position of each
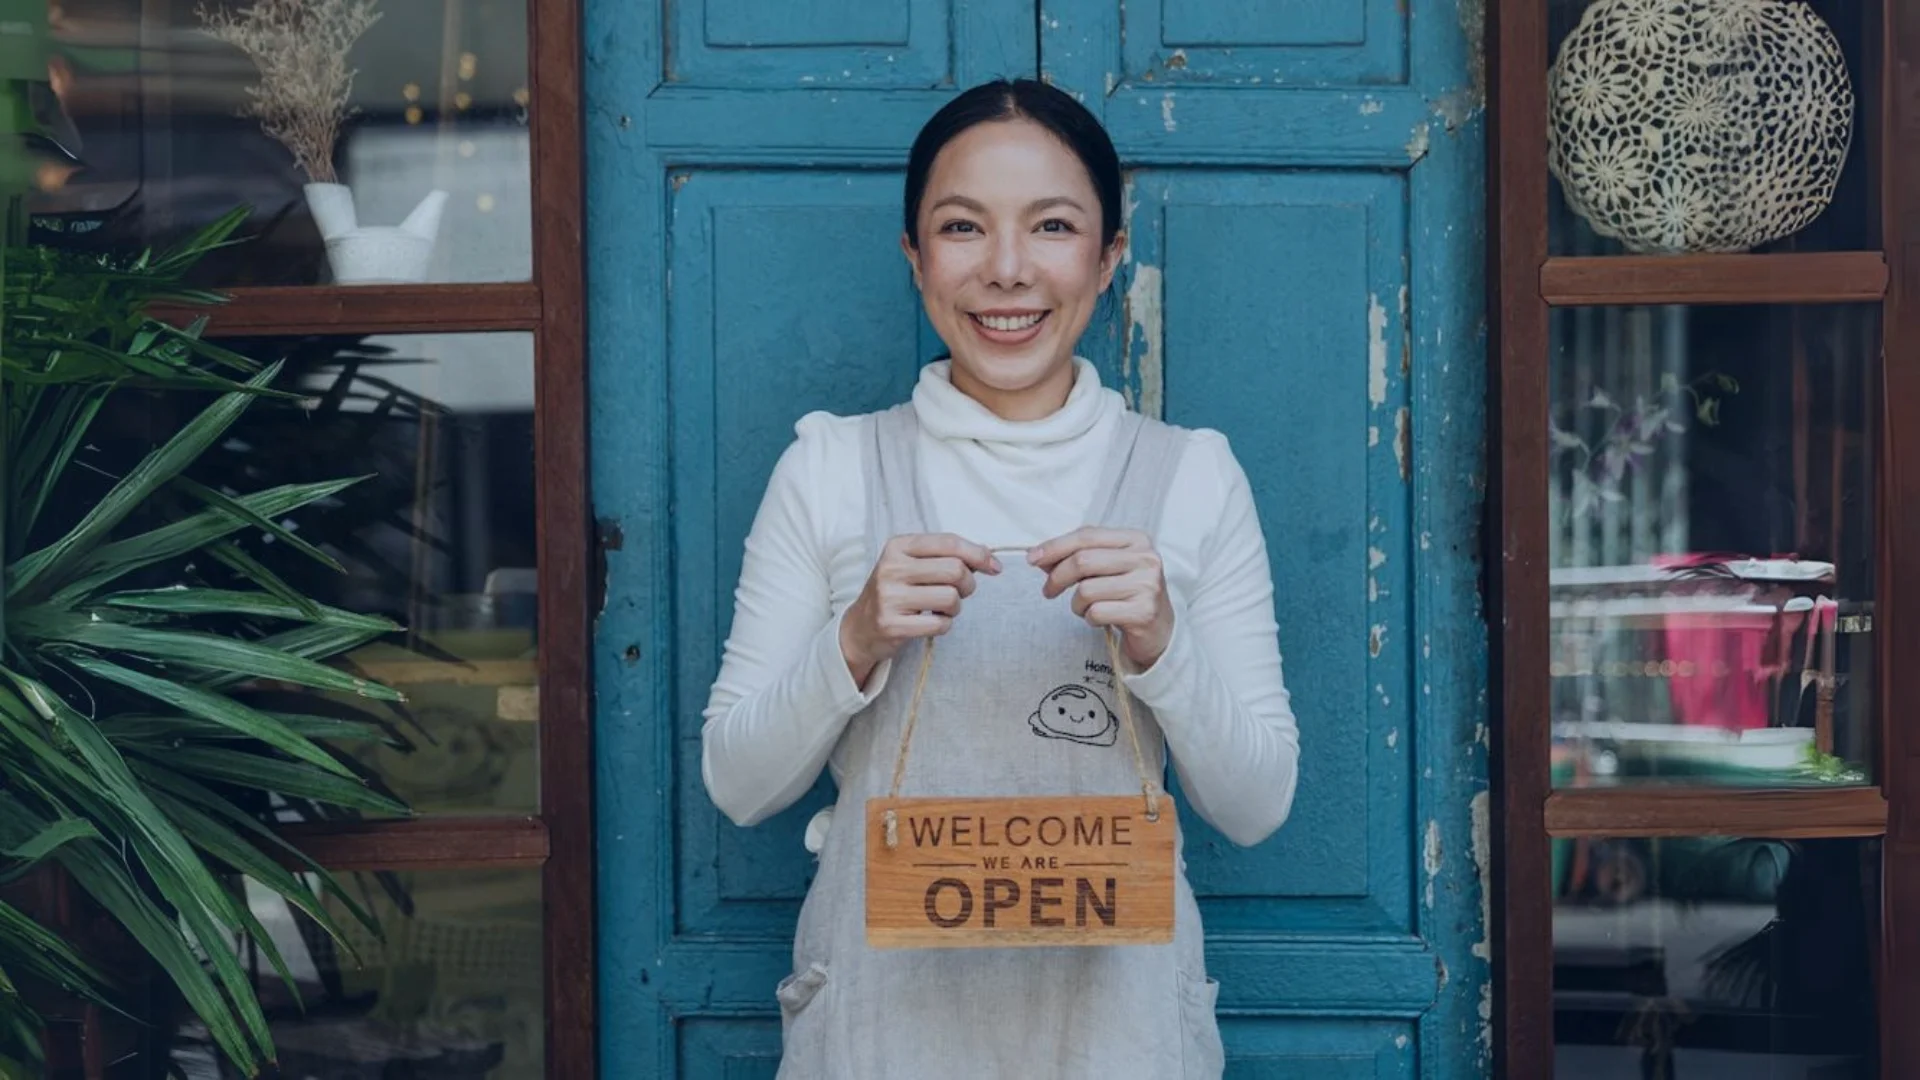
(1008, 328)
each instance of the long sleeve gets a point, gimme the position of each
(1217, 690)
(784, 693)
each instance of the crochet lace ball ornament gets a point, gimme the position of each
(1698, 125)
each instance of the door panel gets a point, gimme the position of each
(867, 44)
(1302, 42)
(1283, 281)
(1304, 276)
(779, 306)
(1290, 283)
(1322, 1050)
(743, 215)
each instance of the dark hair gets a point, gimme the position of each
(1003, 99)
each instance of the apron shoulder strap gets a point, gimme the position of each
(889, 461)
(1147, 474)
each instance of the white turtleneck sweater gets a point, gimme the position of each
(784, 694)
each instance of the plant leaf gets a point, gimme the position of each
(43, 843)
(48, 956)
(235, 558)
(185, 601)
(222, 501)
(52, 563)
(108, 883)
(111, 561)
(167, 729)
(44, 459)
(267, 774)
(207, 833)
(217, 708)
(314, 642)
(189, 791)
(108, 789)
(222, 655)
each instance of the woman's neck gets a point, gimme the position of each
(1036, 402)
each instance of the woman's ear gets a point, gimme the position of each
(913, 256)
(1110, 259)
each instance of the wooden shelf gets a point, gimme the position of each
(383, 309)
(1784, 813)
(1826, 277)
(425, 843)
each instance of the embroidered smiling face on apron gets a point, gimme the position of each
(1022, 701)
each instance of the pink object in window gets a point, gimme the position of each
(1737, 657)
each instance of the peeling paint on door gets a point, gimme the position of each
(1376, 351)
(1144, 298)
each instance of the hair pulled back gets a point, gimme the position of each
(1025, 99)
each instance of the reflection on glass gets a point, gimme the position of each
(155, 138)
(1714, 958)
(452, 993)
(1694, 127)
(1712, 544)
(439, 538)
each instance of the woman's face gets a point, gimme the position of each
(1010, 263)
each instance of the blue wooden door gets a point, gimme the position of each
(1304, 275)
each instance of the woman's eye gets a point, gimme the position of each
(958, 226)
(1056, 225)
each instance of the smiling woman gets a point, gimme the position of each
(1144, 595)
(1013, 230)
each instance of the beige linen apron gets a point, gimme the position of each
(1021, 700)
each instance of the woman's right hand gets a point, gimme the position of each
(914, 591)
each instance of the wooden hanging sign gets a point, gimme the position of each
(992, 873)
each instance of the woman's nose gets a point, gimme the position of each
(1007, 266)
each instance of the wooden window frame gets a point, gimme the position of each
(1524, 283)
(551, 307)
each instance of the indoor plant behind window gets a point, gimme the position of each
(131, 761)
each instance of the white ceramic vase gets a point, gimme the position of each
(373, 254)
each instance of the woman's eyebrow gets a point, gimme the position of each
(1052, 201)
(960, 201)
(1033, 207)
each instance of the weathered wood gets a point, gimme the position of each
(564, 705)
(1517, 553)
(368, 309)
(428, 843)
(1898, 515)
(992, 873)
(1823, 277)
(1783, 813)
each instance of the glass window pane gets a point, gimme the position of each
(1702, 127)
(439, 537)
(1712, 544)
(1713, 958)
(453, 990)
(155, 143)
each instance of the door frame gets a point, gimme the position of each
(1526, 280)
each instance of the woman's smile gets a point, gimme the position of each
(1003, 327)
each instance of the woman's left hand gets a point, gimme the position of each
(1118, 582)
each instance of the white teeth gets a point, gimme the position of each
(1007, 323)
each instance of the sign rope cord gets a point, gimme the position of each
(1148, 788)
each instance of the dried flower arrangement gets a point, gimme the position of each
(300, 47)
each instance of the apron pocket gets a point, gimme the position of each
(796, 990)
(1201, 1052)
(802, 1034)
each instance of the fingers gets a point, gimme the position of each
(1090, 564)
(1047, 555)
(939, 599)
(943, 571)
(905, 628)
(946, 546)
(1124, 602)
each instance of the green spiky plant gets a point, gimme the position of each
(130, 756)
